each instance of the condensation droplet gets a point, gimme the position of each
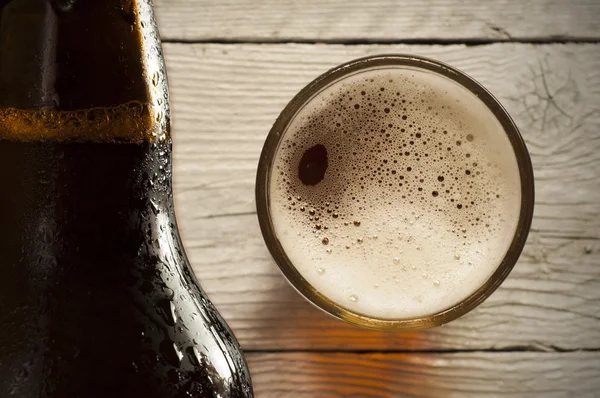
(194, 356)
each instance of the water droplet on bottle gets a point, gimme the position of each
(457, 256)
(396, 260)
(173, 312)
(194, 356)
(166, 289)
(167, 309)
(154, 207)
(321, 270)
(155, 79)
(170, 352)
(353, 298)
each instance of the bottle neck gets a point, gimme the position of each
(84, 59)
(86, 152)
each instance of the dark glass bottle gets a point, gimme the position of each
(97, 298)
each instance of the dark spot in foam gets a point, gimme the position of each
(313, 165)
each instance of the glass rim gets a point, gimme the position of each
(320, 300)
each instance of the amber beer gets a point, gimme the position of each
(97, 298)
(395, 192)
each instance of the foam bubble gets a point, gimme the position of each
(414, 164)
(133, 122)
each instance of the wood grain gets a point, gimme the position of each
(303, 375)
(225, 98)
(549, 302)
(377, 20)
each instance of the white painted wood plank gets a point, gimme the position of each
(377, 19)
(225, 98)
(524, 375)
(550, 300)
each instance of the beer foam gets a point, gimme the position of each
(395, 192)
(131, 122)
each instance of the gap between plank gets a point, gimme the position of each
(465, 41)
(537, 349)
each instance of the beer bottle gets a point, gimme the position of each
(97, 298)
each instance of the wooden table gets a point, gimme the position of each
(233, 65)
